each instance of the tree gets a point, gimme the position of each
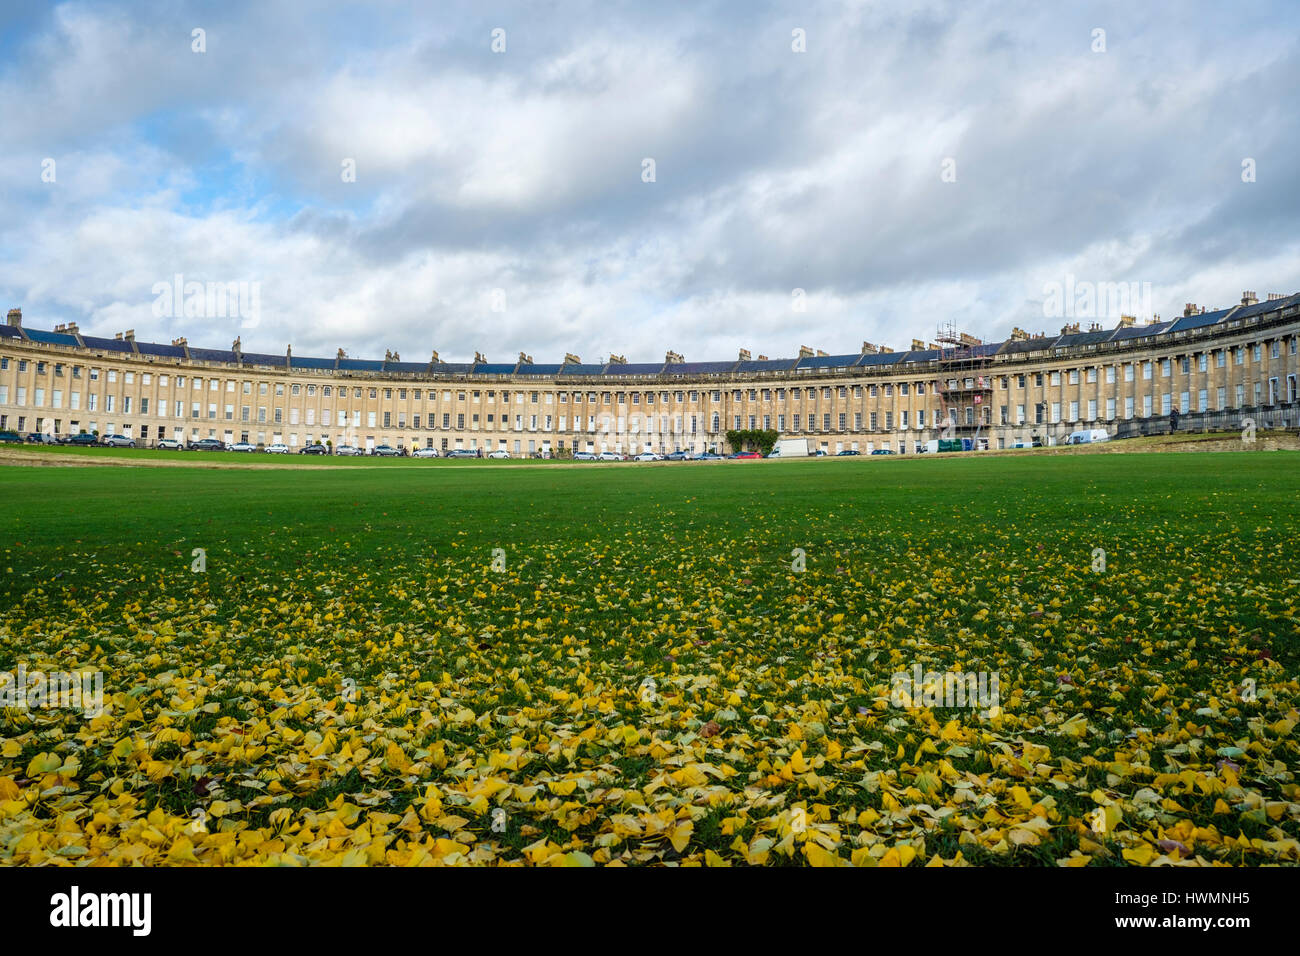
(757, 439)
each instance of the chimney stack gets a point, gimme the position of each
(1126, 321)
(479, 359)
(918, 345)
(673, 358)
(1249, 298)
(1189, 308)
(571, 359)
(617, 359)
(744, 355)
(805, 352)
(16, 318)
(762, 358)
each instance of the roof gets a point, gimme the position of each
(828, 361)
(52, 338)
(659, 369)
(1028, 345)
(1140, 331)
(206, 355)
(767, 365)
(1268, 305)
(261, 358)
(699, 368)
(635, 368)
(880, 358)
(107, 345)
(151, 348)
(1200, 320)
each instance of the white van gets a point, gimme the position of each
(1087, 436)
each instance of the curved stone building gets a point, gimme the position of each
(1215, 369)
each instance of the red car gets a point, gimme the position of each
(745, 454)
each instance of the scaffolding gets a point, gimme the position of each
(963, 383)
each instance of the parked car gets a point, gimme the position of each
(709, 456)
(347, 450)
(425, 453)
(242, 446)
(649, 456)
(11, 438)
(118, 441)
(820, 453)
(41, 438)
(81, 438)
(610, 456)
(207, 444)
(277, 449)
(744, 454)
(584, 456)
(882, 451)
(678, 456)
(315, 448)
(462, 453)
(384, 451)
(499, 453)
(847, 452)
(170, 444)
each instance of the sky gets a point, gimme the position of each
(607, 178)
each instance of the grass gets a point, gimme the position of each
(350, 680)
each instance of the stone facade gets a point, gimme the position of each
(1236, 362)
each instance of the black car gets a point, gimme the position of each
(207, 444)
(82, 438)
(37, 438)
(314, 449)
(847, 451)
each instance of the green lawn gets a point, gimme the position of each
(649, 679)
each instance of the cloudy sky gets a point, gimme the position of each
(913, 162)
